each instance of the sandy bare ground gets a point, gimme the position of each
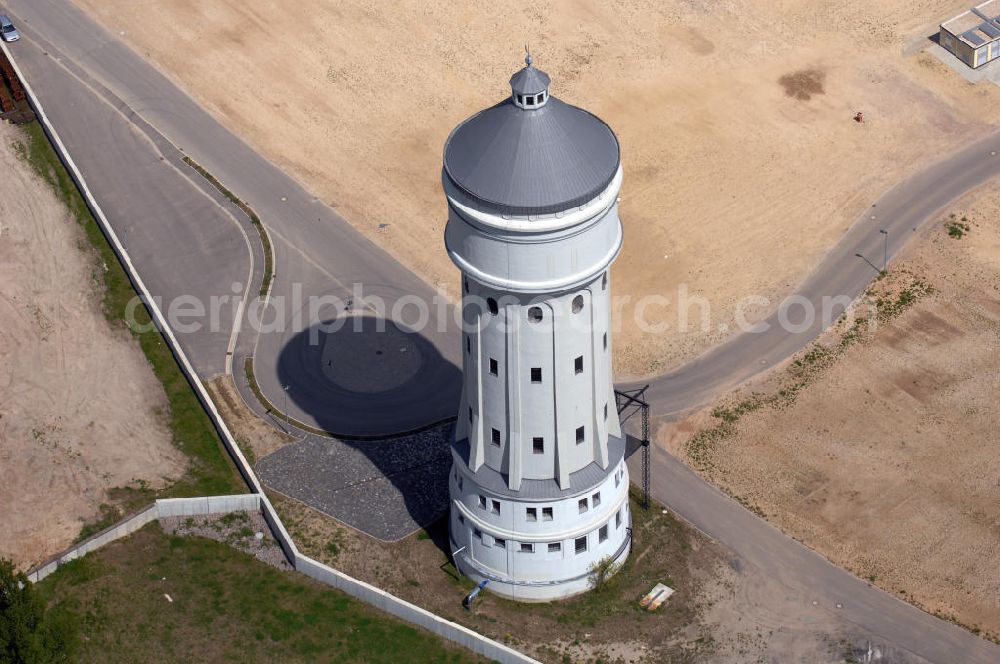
(887, 461)
(735, 184)
(80, 408)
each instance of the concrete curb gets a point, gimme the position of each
(354, 587)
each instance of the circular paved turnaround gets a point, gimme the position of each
(370, 363)
(352, 374)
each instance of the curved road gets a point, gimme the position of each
(103, 95)
(901, 212)
(317, 253)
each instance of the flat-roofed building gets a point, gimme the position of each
(974, 36)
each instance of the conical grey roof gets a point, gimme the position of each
(532, 161)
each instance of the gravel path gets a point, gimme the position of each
(387, 489)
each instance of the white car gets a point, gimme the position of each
(7, 30)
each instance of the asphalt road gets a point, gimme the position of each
(186, 241)
(865, 612)
(184, 249)
(901, 212)
(317, 253)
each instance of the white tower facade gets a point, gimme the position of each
(539, 485)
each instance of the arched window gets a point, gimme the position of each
(491, 304)
(577, 304)
(535, 314)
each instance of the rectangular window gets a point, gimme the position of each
(531, 514)
(555, 547)
(494, 367)
(495, 507)
(578, 364)
(582, 505)
(538, 445)
(536, 374)
(520, 99)
(618, 519)
(581, 544)
(579, 435)
(468, 345)
(602, 534)
(500, 543)
(529, 100)
(470, 414)
(618, 479)
(482, 502)
(605, 341)
(527, 548)
(596, 499)
(496, 437)
(605, 412)
(546, 514)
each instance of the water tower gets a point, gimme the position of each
(539, 486)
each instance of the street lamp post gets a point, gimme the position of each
(285, 392)
(885, 251)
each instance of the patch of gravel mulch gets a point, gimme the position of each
(244, 531)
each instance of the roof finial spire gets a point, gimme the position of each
(527, 57)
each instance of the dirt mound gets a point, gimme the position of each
(80, 409)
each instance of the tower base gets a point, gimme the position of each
(541, 542)
(534, 591)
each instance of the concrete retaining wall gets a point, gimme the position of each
(248, 502)
(161, 508)
(410, 612)
(358, 589)
(117, 531)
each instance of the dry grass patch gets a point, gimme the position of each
(880, 448)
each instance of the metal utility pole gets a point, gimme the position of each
(625, 400)
(885, 252)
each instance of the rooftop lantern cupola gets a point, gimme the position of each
(529, 86)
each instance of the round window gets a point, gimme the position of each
(535, 314)
(577, 304)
